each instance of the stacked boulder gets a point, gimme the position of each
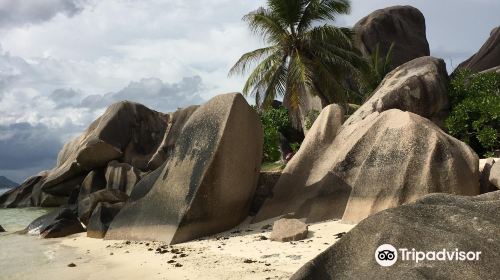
(127, 132)
(118, 161)
(400, 26)
(386, 154)
(206, 185)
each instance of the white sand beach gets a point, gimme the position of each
(244, 252)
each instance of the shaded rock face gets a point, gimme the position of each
(87, 205)
(285, 230)
(488, 56)
(94, 181)
(146, 184)
(419, 86)
(2, 229)
(383, 161)
(208, 183)
(433, 223)
(176, 122)
(58, 223)
(402, 25)
(121, 176)
(101, 218)
(265, 186)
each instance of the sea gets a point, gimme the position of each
(19, 252)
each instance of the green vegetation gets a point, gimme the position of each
(274, 121)
(379, 67)
(475, 114)
(305, 55)
(272, 166)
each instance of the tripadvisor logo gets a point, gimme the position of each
(387, 255)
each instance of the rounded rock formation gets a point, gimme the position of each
(348, 179)
(402, 25)
(433, 223)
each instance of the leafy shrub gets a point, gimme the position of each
(475, 114)
(274, 121)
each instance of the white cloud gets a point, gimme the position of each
(62, 61)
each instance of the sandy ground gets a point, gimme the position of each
(244, 252)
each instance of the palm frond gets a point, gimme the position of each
(258, 75)
(250, 58)
(320, 10)
(268, 25)
(289, 11)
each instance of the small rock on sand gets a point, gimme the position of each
(285, 230)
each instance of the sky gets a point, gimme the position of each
(62, 62)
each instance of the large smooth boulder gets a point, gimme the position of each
(101, 218)
(30, 194)
(419, 86)
(488, 56)
(433, 223)
(21, 195)
(87, 205)
(402, 25)
(58, 223)
(207, 184)
(383, 161)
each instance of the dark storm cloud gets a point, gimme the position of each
(21, 12)
(24, 146)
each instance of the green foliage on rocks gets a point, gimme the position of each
(274, 121)
(475, 113)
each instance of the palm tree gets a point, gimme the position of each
(305, 54)
(378, 67)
